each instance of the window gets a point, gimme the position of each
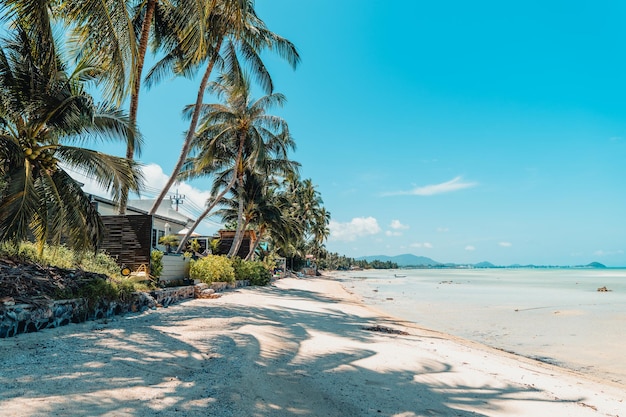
(156, 235)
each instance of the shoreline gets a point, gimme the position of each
(549, 363)
(567, 324)
(296, 348)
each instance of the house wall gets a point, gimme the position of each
(127, 239)
(173, 267)
(226, 241)
(162, 227)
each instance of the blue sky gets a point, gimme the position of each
(461, 131)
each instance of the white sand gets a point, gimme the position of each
(297, 348)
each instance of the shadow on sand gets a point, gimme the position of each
(260, 379)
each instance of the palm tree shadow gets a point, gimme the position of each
(271, 358)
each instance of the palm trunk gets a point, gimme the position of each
(255, 245)
(192, 129)
(234, 248)
(134, 97)
(239, 174)
(205, 213)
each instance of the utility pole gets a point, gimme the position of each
(178, 199)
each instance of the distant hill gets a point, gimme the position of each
(484, 264)
(595, 265)
(402, 260)
(409, 260)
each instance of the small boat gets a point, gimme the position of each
(399, 275)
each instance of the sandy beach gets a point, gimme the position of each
(300, 347)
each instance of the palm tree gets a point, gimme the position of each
(115, 36)
(268, 218)
(306, 211)
(99, 31)
(169, 25)
(237, 26)
(102, 34)
(240, 131)
(263, 208)
(43, 112)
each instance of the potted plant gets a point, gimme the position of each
(169, 241)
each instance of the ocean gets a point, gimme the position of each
(555, 315)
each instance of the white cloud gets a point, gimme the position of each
(154, 181)
(470, 247)
(443, 229)
(426, 245)
(391, 233)
(454, 184)
(357, 227)
(505, 244)
(608, 253)
(397, 225)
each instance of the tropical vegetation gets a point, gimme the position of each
(212, 268)
(45, 115)
(57, 56)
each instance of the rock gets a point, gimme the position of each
(7, 301)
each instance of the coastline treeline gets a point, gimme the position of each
(337, 262)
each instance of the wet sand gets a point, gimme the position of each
(554, 315)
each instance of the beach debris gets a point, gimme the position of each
(604, 289)
(383, 329)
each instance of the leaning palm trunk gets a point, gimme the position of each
(192, 129)
(254, 245)
(134, 97)
(234, 248)
(205, 213)
(239, 175)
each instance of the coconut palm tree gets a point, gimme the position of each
(99, 31)
(269, 220)
(306, 211)
(100, 34)
(241, 129)
(169, 24)
(238, 29)
(44, 114)
(263, 210)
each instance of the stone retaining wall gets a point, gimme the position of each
(27, 318)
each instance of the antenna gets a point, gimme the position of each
(177, 199)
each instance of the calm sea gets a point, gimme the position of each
(554, 315)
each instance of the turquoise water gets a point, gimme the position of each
(555, 315)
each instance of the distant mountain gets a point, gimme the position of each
(402, 260)
(595, 265)
(484, 264)
(409, 260)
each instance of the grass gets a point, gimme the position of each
(116, 287)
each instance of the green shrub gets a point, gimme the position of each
(156, 263)
(212, 268)
(255, 271)
(99, 262)
(62, 257)
(93, 290)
